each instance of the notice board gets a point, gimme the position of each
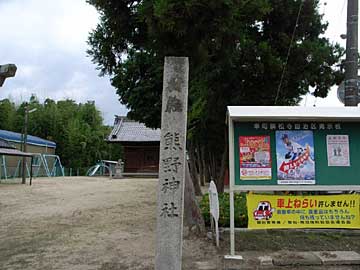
(320, 143)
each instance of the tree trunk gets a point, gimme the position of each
(220, 182)
(203, 167)
(192, 214)
(205, 161)
(213, 167)
(199, 164)
(223, 166)
(193, 171)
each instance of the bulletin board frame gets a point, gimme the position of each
(256, 120)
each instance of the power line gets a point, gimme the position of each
(342, 9)
(288, 53)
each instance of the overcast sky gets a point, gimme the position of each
(47, 41)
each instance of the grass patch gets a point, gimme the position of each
(241, 219)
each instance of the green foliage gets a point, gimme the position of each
(241, 219)
(7, 114)
(77, 129)
(237, 49)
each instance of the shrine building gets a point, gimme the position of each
(141, 146)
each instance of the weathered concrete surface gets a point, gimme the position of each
(240, 261)
(205, 266)
(7, 71)
(265, 261)
(172, 164)
(311, 260)
(338, 257)
(286, 258)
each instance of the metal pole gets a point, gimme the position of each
(25, 144)
(31, 170)
(232, 183)
(232, 224)
(351, 63)
(231, 191)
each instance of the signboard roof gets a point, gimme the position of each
(272, 113)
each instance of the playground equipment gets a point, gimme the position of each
(39, 166)
(54, 165)
(102, 167)
(3, 168)
(43, 165)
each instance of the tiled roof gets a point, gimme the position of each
(126, 130)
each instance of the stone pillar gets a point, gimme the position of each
(119, 169)
(7, 71)
(172, 164)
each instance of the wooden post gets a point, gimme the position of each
(172, 164)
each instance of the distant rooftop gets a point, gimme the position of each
(8, 150)
(126, 130)
(16, 137)
(6, 145)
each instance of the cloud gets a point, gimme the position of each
(41, 24)
(47, 42)
(335, 14)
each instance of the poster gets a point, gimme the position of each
(255, 158)
(323, 211)
(338, 150)
(295, 157)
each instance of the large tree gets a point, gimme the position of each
(242, 52)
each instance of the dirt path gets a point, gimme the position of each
(84, 223)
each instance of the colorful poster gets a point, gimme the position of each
(295, 157)
(338, 150)
(255, 158)
(324, 211)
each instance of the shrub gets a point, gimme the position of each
(241, 219)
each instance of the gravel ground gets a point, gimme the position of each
(78, 223)
(87, 223)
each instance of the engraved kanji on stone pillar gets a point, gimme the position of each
(172, 164)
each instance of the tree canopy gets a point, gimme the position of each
(239, 52)
(77, 129)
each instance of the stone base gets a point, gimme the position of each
(233, 257)
(338, 257)
(295, 258)
(205, 266)
(265, 261)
